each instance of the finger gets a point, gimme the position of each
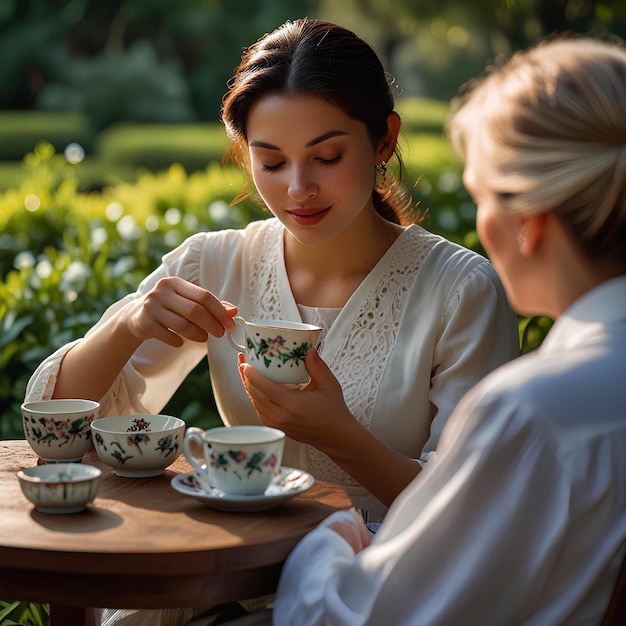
(205, 310)
(261, 384)
(254, 384)
(169, 337)
(350, 532)
(268, 411)
(241, 359)
(321, 375)
(363, 531)
(231, 309)
(199, 307)
(164, 318)
(366, 538)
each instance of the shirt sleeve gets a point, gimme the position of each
(435, 560)
(145, 385)
(479, 333)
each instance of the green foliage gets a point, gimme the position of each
(156, 146)
(421, 115)
(122, 60)
(21, 131)
(24, 613)
(130, 84)
(73, 254)
(111, 155)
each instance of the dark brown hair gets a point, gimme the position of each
(322, 59)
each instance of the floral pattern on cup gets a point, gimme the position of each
(255, 463)
(48, 431)
(269, 348)
(137, 443)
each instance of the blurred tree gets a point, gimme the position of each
(133, 60)
(169, 60)
(432, 47)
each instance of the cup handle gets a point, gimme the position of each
(194, 435)
(231, 340)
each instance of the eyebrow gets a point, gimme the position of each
(309, 144)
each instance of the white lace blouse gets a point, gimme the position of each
(428, 322)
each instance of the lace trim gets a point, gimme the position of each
(360, 362)
(263, 275)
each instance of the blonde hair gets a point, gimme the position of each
(551, 121)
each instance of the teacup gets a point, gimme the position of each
(59, 430)
(238, 460)
(277, 347)
(138, 446)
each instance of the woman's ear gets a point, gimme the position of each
(388, 145)
(531, 229)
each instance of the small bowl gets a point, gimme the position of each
(138, 446)
(58, 430)
(60, 487)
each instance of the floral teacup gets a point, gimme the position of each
(59, 430)
(138, 446)
(277, 348)
(238, 460)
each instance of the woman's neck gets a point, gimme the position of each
(327, 275)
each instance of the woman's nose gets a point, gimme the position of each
(302, 186)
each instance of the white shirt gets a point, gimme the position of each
(428, 322)
(518, 519)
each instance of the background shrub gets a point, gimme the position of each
(67, 255)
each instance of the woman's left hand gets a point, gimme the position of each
(351, 527)
(310, 415)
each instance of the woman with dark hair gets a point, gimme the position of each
(411, 321)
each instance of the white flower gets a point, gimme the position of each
(128, 229)
(74, 153)
(75, 276)
(218, 211)
(24, 260)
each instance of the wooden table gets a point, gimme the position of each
(141, 544)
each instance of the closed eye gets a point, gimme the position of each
(277, 166)
(334, 161)
(272, 168)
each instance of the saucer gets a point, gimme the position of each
(289, 483)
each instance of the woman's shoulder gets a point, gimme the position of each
(198, 242)
(448, 263)
(438, 249)
(225, 246)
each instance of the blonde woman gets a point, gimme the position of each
(520, 515)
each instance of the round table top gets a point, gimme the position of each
(143, 525)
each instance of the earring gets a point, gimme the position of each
(381, 170)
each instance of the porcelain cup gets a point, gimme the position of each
(277, 348)
(59, 430)
(238, 460)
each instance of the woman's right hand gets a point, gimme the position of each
(176, 309)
